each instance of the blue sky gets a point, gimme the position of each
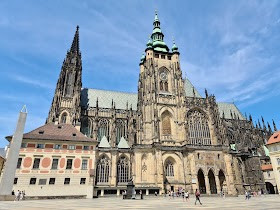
(232, 48)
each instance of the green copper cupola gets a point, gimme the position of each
(157, 36)
(174, 47)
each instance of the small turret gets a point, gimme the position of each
(142, 58)
(174, 47)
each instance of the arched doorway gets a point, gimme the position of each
(212, 182)
(201, 181)
(269, 188)
(222, 180)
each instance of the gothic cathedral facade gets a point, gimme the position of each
(166, 136)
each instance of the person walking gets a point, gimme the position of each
(141, 194)
(197, 195)
(183, 194)
(169, 194)
(187, 196)
(21, 195)
(246, 195)
(17, 196)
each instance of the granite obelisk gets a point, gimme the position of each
(7, 178)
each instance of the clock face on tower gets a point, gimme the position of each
(163, 76)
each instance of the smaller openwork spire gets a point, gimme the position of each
(75, 47)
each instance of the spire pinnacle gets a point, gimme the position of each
(274, 126)
(75, 47)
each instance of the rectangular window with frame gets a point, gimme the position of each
(57, 146)
(69, 163)
(169, 57)
(162, 56)
(67, 181)
(40, 146)
(23, 145)
(19, 162)
(36, 163)
(86, 147)
(32, 181)
(84, 164)
(15, 180)
(54, 163)
(42, 181)
(72, 147)
(52, 181)
(278, 161)
(156, 55)
(83, 181)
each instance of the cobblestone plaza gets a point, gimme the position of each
(151, 202)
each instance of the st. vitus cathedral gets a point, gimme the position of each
(166, 136)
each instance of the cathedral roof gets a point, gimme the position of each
(123, 100)
(189, 89)
(226, 108)
(50, 131)
(275, 138)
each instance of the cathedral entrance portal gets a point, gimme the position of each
(222, 180)
(212, 182)
(269, 188)
(201, 181)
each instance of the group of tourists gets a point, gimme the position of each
(185, 195)
(19, 195)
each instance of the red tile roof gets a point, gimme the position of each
(274, 138)
(50, 131)
(267, 167)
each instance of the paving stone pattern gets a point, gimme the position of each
(151, 202)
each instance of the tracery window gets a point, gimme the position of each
(163, 84)
(120, 130)
(103, 129)
(63, 118)
(199, 132)
(103, 170)
(69, 84)
(166, 86)
(123, 170)
(166, 123)
(169, 169)
(85, 127)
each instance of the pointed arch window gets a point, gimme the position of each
(103, 129)
(120, 130)
(166, 123)
(63, 118)
(85, 127)
(123, 170)
(166, 86)
(69, 84)
(169, 169)
(199, 133)
(103, 170)
(161, 85)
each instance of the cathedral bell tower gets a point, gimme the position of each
(160, 92)
(65, 106)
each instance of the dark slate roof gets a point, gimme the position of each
(50, 131)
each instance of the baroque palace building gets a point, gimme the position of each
(166, 136)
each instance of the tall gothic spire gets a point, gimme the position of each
(68, 87)
(75, 47)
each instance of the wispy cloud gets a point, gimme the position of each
(30, 81)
